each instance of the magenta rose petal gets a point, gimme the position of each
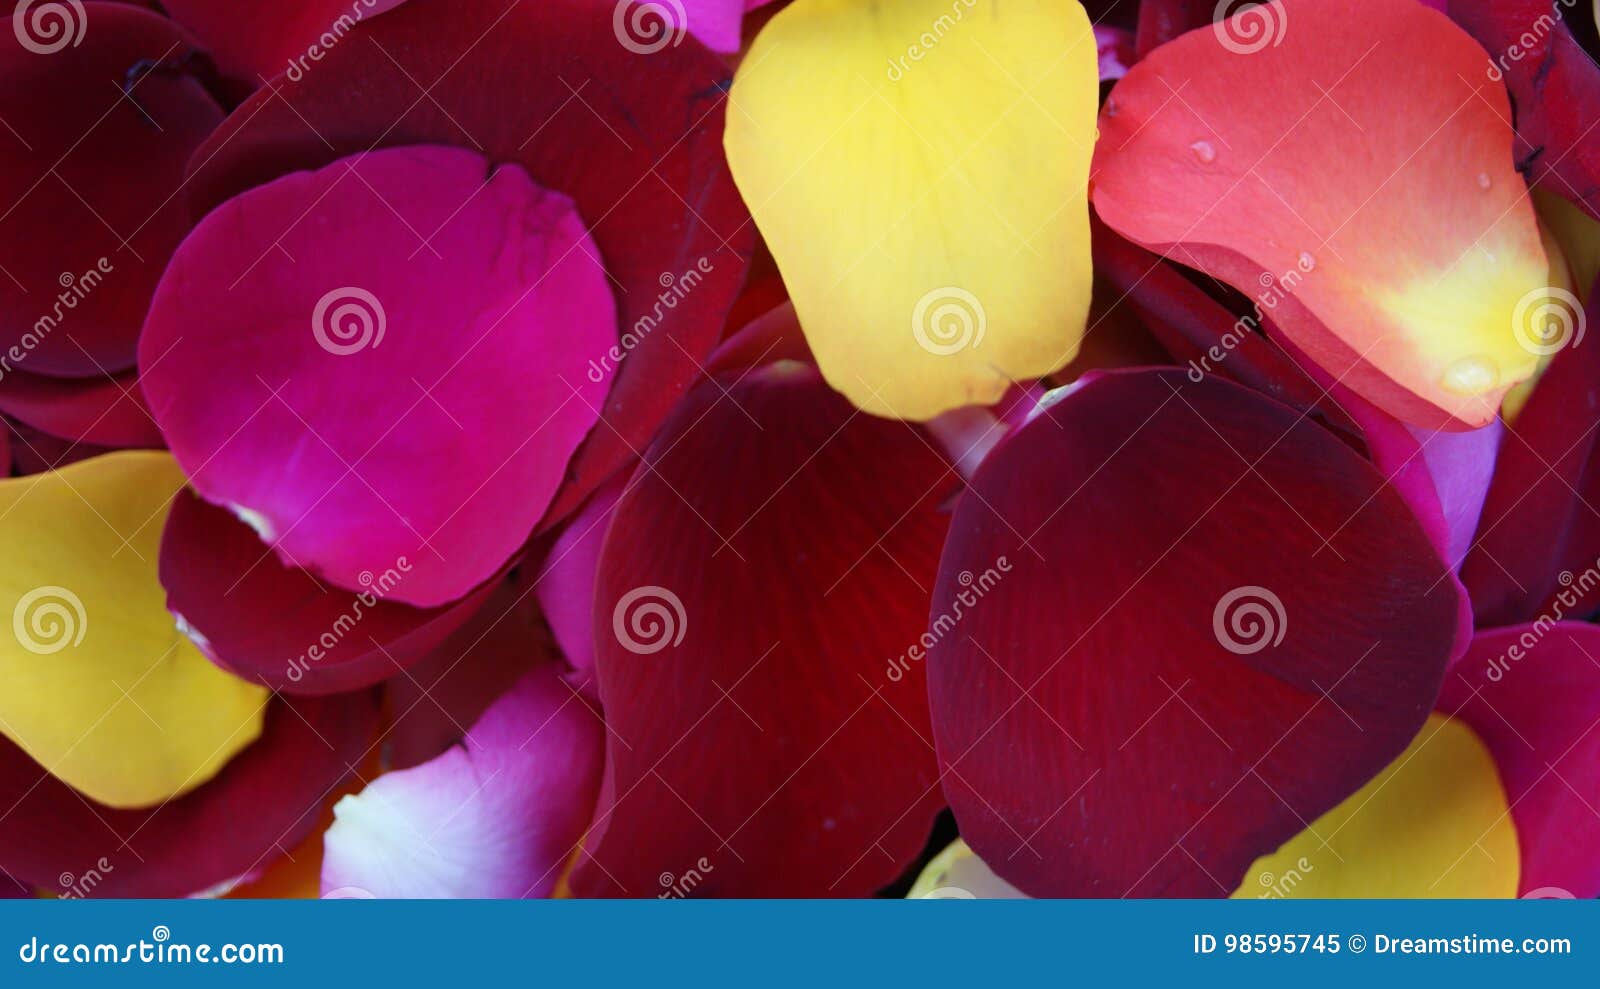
(393, 353)
(92, 208)
(1532, 692)
(770, 655)
(498, 816)
(263, 802)
(638, 149)
(1210, 585)
(279, 625)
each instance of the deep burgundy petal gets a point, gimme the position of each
(1554, 84)
(635, 140)
(107, 411)
(1532, 692)
(92, 175)
(758, 736)
(1173, 671)
(278, 624)
(263, 802)
(254, 40)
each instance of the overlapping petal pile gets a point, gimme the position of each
(824, 448)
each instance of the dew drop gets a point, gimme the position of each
(1471, 376)
(1111, 106)
(1484, 181)
(1204, 151)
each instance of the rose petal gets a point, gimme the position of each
(638, 149)
(1411, 240)
(92, 153)
(331, 398)
(1533, 693)
(101, 687)
(279, 625)
(497, 817)
(1264, 630)
(263, 802)
(772, 551)
(900, 190)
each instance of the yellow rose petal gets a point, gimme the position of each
(100, 686)
(919, 169)
(1434, 824)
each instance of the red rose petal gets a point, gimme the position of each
(85, 165)
(1176, 674)
(263, 802)
(764, 656)
(280, 626)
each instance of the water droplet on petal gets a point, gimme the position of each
(1204, 151)
(1111, 106)
(1484, 181)
(1471, 376)
(1306, 261)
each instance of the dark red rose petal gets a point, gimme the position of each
(1532, 692)
(1555, 89)
(281, 626)
(254, 40)
(107, 411)
(635, 140)
(92, 177)
(756, 732)
(1173, 672)
(261, 804)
